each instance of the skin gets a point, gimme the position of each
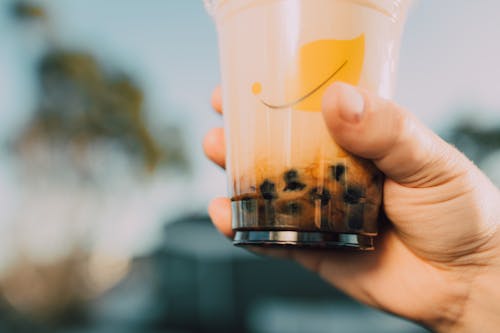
(437, 260)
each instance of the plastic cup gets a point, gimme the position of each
(289, 183)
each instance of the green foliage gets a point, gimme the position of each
(484, 138)
(27, 10)
(477, 142)
(81, 103)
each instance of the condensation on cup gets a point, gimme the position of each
(289, 183)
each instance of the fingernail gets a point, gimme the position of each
(351, 103)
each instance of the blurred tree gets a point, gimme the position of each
(476, 141)
(26, 10)
(81, 103)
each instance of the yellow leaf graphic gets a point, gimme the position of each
(320, 63)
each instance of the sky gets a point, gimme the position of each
(449, 60)
(449, 63)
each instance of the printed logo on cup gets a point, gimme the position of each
(320, 63)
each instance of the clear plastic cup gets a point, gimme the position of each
(289, 183)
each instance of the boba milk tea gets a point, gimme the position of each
(290, 184)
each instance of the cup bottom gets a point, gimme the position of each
(282, 238)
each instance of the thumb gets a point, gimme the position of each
(377, 129)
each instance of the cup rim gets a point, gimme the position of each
(390, 8)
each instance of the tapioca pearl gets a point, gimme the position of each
(291, 175)
(353, 194)
(266, 211)
(293, 208)
(326, 224)
(373, 194)
(378, 177)
(338, 172)
(294, 186)
(355, 216)
(337, 217)
(268, 190)
(322, 195)
(291, 178)
(249, 204)
(372, 213)
(377, 181)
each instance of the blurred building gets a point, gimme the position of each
(198, 282)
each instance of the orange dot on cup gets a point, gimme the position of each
(256, 88)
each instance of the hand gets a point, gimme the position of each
(438, 262)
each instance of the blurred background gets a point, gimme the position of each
(104, 187)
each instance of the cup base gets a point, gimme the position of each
(274, 238)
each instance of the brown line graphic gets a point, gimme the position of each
(284, 106)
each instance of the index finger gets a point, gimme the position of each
(217, 100)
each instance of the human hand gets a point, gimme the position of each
(438, 260)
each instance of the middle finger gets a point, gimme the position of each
(215, 147)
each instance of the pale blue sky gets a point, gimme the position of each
(449, 61)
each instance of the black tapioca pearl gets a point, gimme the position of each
(291, 175)
(378, 178)
(292, 208)
(325, 223)
(291, 178)
(294, 186)
(355, 217)
(353, 194)
(268, 190)
(338, 171)
(249, 204)
(266, 213)
(322, 195)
